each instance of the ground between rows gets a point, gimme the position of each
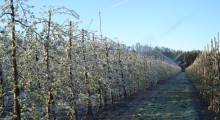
(175, 98)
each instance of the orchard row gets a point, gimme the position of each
(205, 73)
(59, 71)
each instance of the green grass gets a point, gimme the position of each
(172, 103)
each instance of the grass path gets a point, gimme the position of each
(171, 103)
(174, 99)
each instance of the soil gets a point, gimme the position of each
(173, 99)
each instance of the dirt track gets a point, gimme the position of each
(175, 98)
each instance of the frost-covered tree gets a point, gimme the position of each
(204, 72)
(56, 71)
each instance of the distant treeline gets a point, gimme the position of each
(182, 58)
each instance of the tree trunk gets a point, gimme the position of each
(76, 113)
(100, 98)
(121, 74)
(107, 75)
(70, 71)
(111, 97)
(16, 105)
(1, 88)
(70, 68)
(49, 113)
(89, 103)
(123, 86)
(36, 59)
(134, 84)
(105, 98)
(89, 108)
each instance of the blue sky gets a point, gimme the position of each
(177, 24)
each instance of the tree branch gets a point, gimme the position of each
(28, 27)
(7, 13)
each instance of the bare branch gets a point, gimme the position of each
(22, 48)
(5, 14)
(66, 11)
(23, 11)
(28, 27)
(44, 21)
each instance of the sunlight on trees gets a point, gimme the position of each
(204, 72)
(59, 71)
